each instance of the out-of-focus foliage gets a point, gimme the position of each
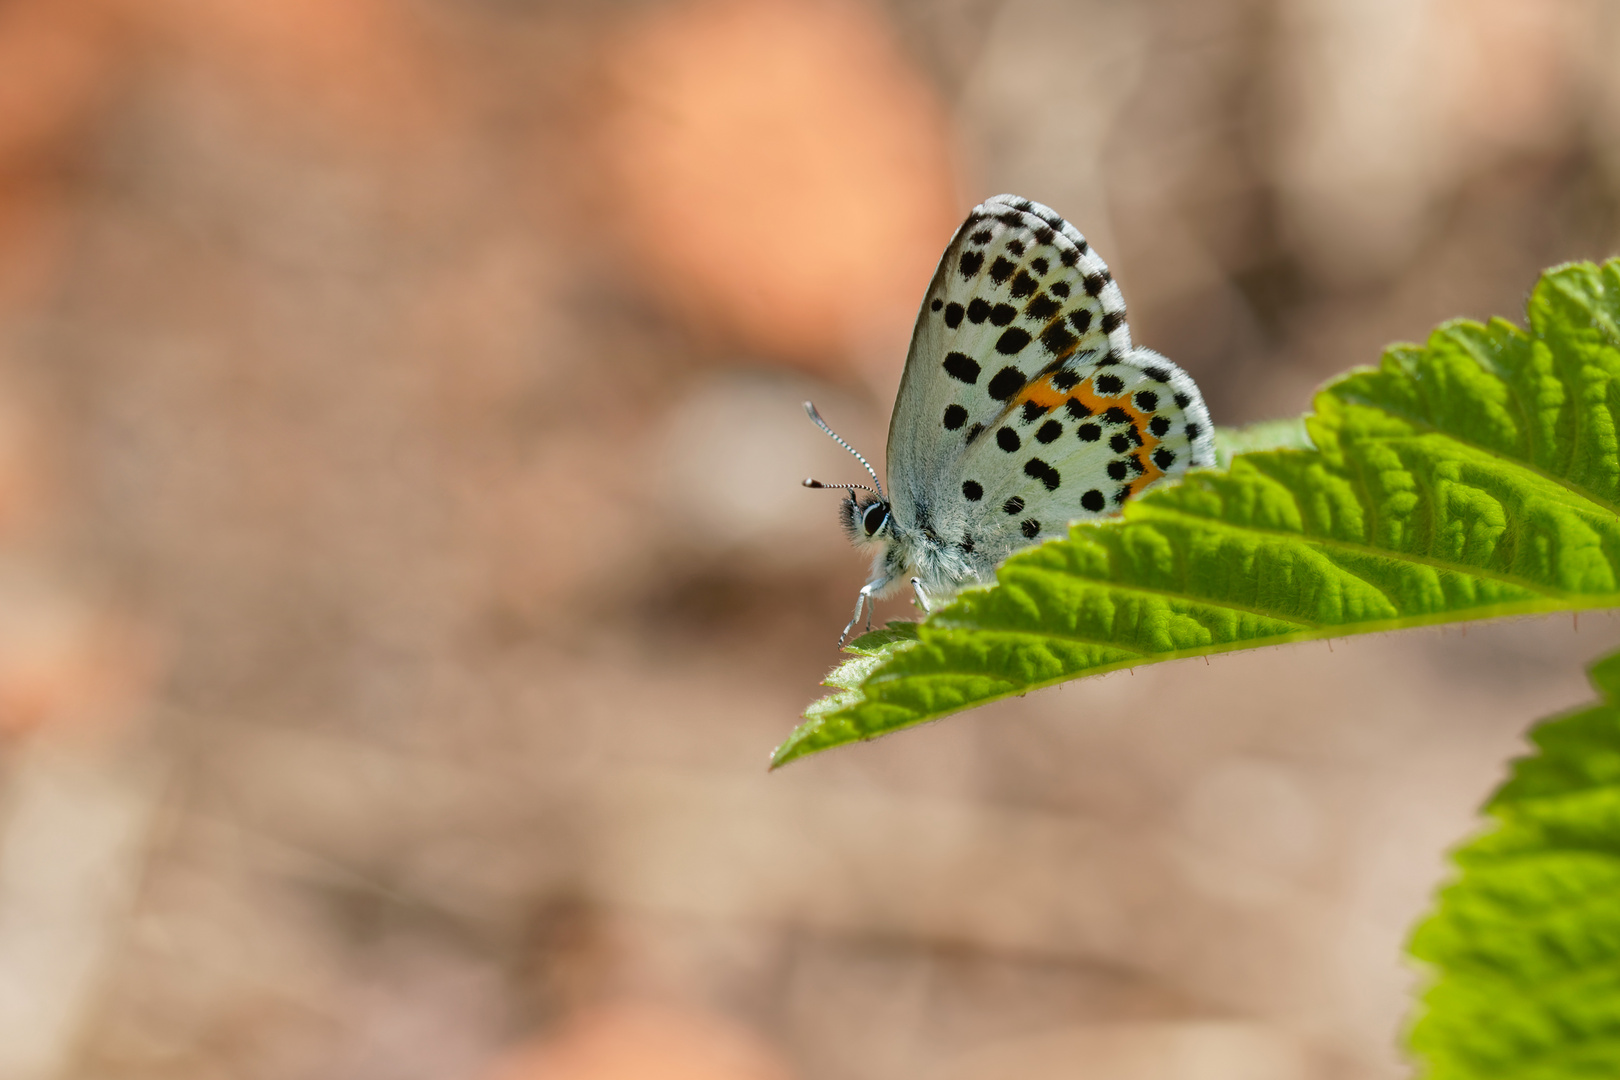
(1475, 476)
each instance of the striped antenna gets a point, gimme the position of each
(822, 424)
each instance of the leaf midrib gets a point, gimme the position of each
(1460, 569)
(1149, 590)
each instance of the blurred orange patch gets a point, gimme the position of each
(785, 174)
(66, 664)
(54, 61)
(56, 64)
(635, 1042)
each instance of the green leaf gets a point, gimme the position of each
(1526, 942)
(1266, 435)
(1472, 477)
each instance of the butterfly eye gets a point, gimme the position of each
(874, 517)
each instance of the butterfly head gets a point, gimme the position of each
(866, 520)
(866, 517)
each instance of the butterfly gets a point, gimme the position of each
(1023, 406)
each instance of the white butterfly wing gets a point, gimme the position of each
(1023, 405)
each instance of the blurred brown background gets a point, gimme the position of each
(404, 577)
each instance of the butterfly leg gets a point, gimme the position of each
(863, 602)
(922, 597)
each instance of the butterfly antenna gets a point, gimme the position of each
(851, 487)
(822, 424)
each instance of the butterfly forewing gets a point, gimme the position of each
(1023, 404)
(1017, 289)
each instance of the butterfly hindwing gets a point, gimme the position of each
(1077, 442)
(1023, 404)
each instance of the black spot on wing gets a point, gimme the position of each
(969, 264)
(1012, 341)
(1045, 235)
(1119, 443)
(1094, 283)
(1146, 400)
(1111, 321)
(1057, 340)
(961, 367)
(1077, 408)
(1008, 440)
(1002, 314)
(955, 417)
(1002, 269)
(972, 490)
(953, 315)
(1064, 381)
(1093, 500)
(974, 432)
(1024, 285)
(1030, 527)
(1182, 400)
(1049, 431)
(1008, 381)
(1116, 470)
(1193, 431)
(982, 236)
(1080, 320)
(1089, 432)
(1036, 469)
(1041, 308)
(1040, 266)
(1109, 384)
(1157, 374)
(1016, 247)
(1070, 256)
(1014, 505)
(936, 305)
(1059, 288)
(1034, 411)
(1164, 458)
(1158, 425)
(978, 310)
(1116, 415)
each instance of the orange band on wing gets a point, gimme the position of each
(1045, 394)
